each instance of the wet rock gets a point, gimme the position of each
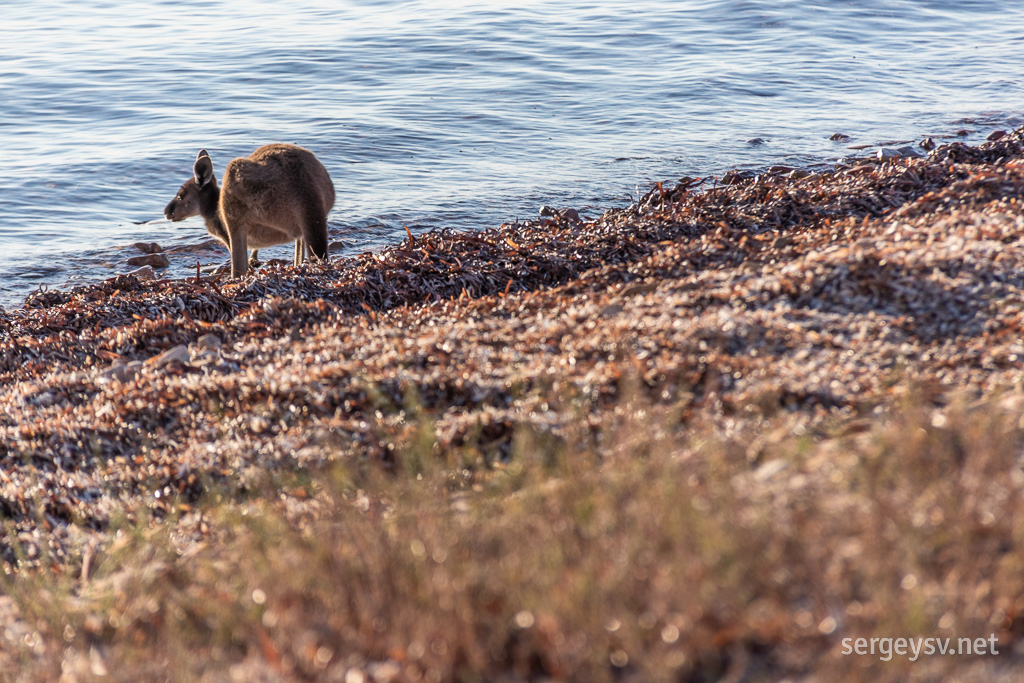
(154, 260)
(886, 153)
(148, 247)
(733, 177)
(927, 144)
(755, 141)
(143, 273)
(571, 215)
(838, 137)
(548, 211)
(995, 135)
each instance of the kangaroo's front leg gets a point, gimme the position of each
(239, 262)
(300, 252)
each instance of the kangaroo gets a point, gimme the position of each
(278, 194)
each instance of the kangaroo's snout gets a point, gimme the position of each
(185, 204)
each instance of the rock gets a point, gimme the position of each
(178, 353)
(208, 342)
(385, 671)
(548, 211)
(640, 288)
(838, 137)
(927, 144)
(859, 170)
(886, 153)
(733, 177)
(755, 141)
(154, 260)
(782, 241)
(120, 372)
(779, 168)
(143, 273)
(201, 358)
(148, 247)
(335, 246)
(798, 173)
(995, 135)
(571, 215)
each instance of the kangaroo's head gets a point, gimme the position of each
(199, 195)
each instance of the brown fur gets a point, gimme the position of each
(278, 194)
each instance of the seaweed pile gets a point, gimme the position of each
(817, 295)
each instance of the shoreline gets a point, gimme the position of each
(115, 260)
(751, 314)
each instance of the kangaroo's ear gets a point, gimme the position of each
(203, 168)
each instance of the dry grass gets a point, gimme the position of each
(698, 560)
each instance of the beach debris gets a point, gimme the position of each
(806, 295)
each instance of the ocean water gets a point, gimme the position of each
(454, 114)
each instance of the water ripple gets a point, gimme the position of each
(461, 114)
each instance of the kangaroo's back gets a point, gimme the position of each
(280, 183)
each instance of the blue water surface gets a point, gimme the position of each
(454, 114)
